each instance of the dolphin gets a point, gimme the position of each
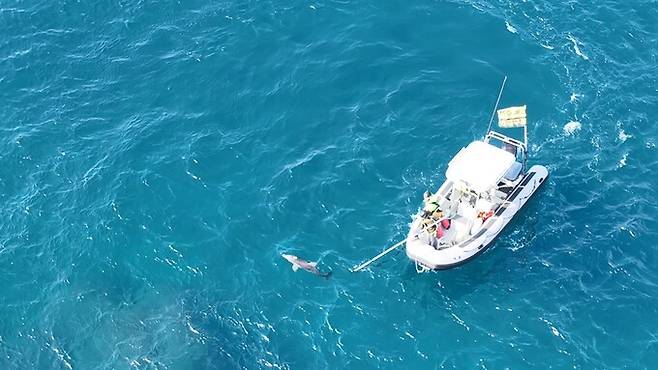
(311, 267)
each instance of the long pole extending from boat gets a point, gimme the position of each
(493, 114)
(389, 249)
(382, 254)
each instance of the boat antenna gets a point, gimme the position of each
(493, 114)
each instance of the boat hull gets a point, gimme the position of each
(441, 259)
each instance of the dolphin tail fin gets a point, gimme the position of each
(326, 275)
(295, 267)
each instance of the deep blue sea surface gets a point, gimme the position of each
(156, 159)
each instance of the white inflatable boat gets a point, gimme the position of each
(486, 185)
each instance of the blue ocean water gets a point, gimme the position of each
(158, 158)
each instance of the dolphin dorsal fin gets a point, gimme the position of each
(295, 267)
(314, 264)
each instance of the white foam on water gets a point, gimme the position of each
(574, 97)
(510, 27)
(576, 48)
(571, 127)
(622, 161)
(194, 331)
(623, 136)
(556, 332)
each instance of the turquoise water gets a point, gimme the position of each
(157, 159)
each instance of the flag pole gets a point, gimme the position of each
(493, 114)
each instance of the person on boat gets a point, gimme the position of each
(428, 224)
(431, 204)
(485, 215)
(432, 213)
(442, 227)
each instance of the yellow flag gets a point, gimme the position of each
(512, 117)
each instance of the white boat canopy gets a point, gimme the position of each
(480, 166)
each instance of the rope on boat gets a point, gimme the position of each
(420, 268)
